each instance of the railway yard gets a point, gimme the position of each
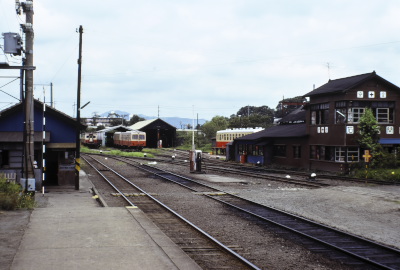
(228, 238)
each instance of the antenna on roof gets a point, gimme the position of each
(329, 73)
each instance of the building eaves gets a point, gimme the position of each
(280, 131)
(342, 85)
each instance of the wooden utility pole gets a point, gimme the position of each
(29, 116)
(78, 113)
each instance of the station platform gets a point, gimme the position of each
(70, 230)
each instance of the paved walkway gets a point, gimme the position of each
(71, 231)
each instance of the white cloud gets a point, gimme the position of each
(215, 56)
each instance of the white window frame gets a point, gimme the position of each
(380, 112)
(340, 154)
(353, 154)
(355, 114)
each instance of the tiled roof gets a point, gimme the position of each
(297, 116)
(343, 84)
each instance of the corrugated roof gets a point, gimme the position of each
(142, 124)
(114, 128)
(281, 131)
(343, 84)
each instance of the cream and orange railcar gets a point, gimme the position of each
(134, 139)
(228, 135)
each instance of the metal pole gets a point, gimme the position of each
(78, 114)
(51, 95)
(29, 117)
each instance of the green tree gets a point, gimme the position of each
(251, 117)
(210, 128)
(368, 136)
(134, 119)
(288, 105)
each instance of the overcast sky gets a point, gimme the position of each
(189, 57)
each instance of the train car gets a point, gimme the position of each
(91, 139)
(228, 135)
(134, 139)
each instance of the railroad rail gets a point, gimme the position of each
(161, 212)
(216, 164)
(361, 250)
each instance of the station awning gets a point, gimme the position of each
(390, 141)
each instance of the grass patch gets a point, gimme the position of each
(116, 152)
(12, 197)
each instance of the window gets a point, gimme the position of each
(279, 150)
(354, 114)
(383, 115)
(340, 116)
(319, 114)
(340, 153)
(296, 151)
(353, 154)
(254, 150)
(4, 158)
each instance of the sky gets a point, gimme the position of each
(192, 58)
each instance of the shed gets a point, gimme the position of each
(158, 133)
(107, 134)
(56, 152)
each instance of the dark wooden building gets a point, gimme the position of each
(333, 116)
(283, 144)
(158, 133)
(323, 134)
(58, 146)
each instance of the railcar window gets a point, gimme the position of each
(135, 137)
(141, 137)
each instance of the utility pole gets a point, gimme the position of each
(78, 113)
(29, 149)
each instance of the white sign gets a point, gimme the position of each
(371, 94)
(350, 130)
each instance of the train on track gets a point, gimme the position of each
(92, 139)
(228, 135)
(134, 139)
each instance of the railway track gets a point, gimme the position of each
(217, 165)
(207, 251)
(346, 247)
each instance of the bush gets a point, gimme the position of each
(12, 197)
(390, 175)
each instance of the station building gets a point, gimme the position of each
(323, 134)
(158, 133)
(56, 149)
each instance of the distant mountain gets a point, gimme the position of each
(178, 122)
(182, 123)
